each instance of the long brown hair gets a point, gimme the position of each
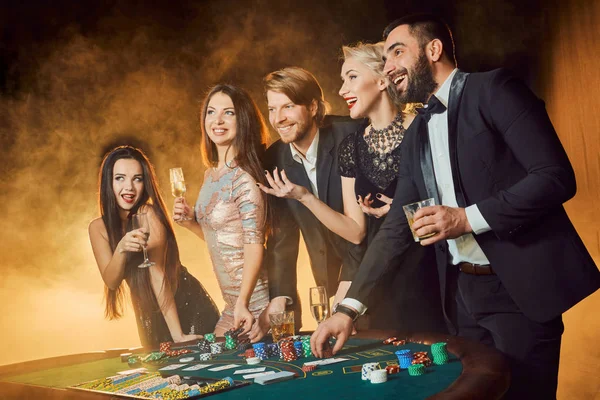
(138, 279)
(250, 141)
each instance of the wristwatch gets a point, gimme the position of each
(340, 308)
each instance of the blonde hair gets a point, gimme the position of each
(300, 86)
(371, 56)
(368, 54)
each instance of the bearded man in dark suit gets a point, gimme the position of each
(508, 258)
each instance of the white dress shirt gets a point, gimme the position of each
(464, 248)
(309, 162)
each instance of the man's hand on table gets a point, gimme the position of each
(339, 326)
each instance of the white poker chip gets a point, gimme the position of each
(378, 376)
(186, 359)
(253, 360)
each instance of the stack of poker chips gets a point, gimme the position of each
(405, 358)
(273, 350)
(367, 369)
(306, 345)
(392, 369)
(205, 356)
(416, 370)
(378, 376)
(309, 367)
(421, 357)
(287, 350)
(165, 348)
(217, 347)
(243, 344)
(299, 348)
(203, 346)
(439, 353)
(260, 350)
(230, 341)
(210, 337)
(249, 353)
(134, 361)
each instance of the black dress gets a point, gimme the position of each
(197, 312)
(409, 300)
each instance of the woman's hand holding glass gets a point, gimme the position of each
(281, 186)
(178, 189)
(181, 209)
(133, 241)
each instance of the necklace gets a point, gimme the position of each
(383, 141)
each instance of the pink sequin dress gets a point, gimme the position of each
(230, 209)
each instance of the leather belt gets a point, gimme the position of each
(475, 269)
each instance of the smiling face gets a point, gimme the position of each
(407, 67)
(293, 122)
(128, 183)
(361, 89)
(220, 120)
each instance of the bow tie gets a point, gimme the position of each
(433, 106)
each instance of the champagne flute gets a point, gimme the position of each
(178, 186)
(319, 303)
(138, 221)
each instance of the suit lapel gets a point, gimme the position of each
(456, 91)
(426, 160)
(324, 162)
(294, 170)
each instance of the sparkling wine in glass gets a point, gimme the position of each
(178, 186)
(319, 303)
(138, 221)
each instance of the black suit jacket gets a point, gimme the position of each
(332, 258)
(507, 159)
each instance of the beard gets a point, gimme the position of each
(302, 130)
(420, 85)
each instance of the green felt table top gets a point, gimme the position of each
(334, 381)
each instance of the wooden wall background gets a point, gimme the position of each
(569, 82)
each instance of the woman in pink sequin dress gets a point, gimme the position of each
(231, 212)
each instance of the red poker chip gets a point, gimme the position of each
(399, 342)
(390, 340)
(309, 368)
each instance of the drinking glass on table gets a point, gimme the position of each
(178, 186)
(319, 303)
(138, 221)
(411, 209)
(282, 325)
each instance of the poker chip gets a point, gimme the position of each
(186, 359)
(399, 342)
(392, 369)
(205, 356)
(249, 353)
(390, 340)
(439, 353)
(253, 360)
(309, 368)
(210, 337)
(367, 369)
(416, 370)
(216, 348)
(260, 350)
(405, 358)
(378, 376)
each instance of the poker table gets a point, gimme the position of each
(474, 372)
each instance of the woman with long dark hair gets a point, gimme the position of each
(169, 303)
(231, 213)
